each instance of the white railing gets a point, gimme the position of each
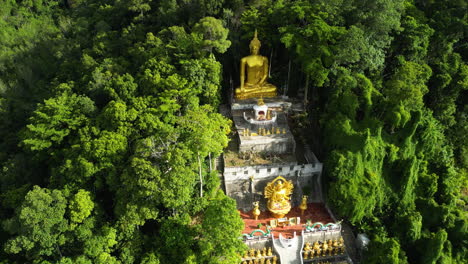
(265, 171)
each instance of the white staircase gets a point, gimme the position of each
(289, 250)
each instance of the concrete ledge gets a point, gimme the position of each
(271, 170)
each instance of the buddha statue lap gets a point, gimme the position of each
(256, 68)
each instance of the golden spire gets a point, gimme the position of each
(260, 101)
(255, 41)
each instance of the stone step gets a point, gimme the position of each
(289, 250)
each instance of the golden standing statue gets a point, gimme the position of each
(317, 248)
(324, 249)
(307, 250)
(256, 210)
(303, 205)
(278, 193)
(256, 67)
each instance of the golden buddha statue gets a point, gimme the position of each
(256, 67)
(278, 193)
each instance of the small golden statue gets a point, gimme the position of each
(307, 246)
(252, 252)
(336, 246)
(275, 258)
(317, 248)
(256, 211)
(269, 253)
(264, 252)
(324, 249)
(330, 247)
(306, 254)
(303, 205)
(256, 67)
(259, 254)
(278, 193)
(268, 261)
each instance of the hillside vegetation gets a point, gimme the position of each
(109, 125)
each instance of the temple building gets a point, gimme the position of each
(275, 178)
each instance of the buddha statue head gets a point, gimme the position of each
(255, 44)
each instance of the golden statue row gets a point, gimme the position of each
(274, 260)
(255, 66)
(263, 256)
(328, 248)
(263, 132)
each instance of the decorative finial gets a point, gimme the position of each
(260, 101)
(255, 41)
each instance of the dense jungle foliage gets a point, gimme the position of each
(109, 123)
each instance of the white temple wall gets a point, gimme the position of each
(246, 184)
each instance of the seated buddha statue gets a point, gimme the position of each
(278, 193)
(256, 68)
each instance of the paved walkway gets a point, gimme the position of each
(289, 250)
(350, 243)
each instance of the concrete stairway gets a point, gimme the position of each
(289, 250)
(219, 163)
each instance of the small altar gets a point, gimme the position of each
(269, 135)
(315, 212)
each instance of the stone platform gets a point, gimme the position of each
(316, 212)
(281, 102)
(273, 144)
